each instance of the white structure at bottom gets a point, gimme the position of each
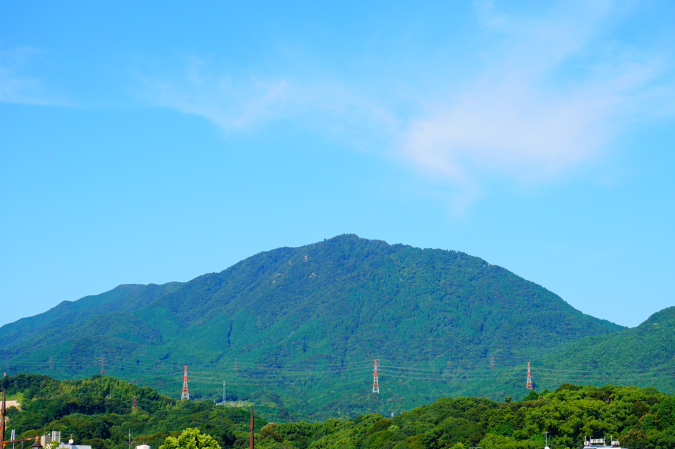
(599, 443)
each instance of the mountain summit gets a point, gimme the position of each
(296, 323)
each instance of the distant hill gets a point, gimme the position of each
(641, 356)
(303, 325)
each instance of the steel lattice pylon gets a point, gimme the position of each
(185, 395)
(376, 382)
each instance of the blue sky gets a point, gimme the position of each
(156, 141)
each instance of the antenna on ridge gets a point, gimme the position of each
(185, 395)
(376, 383)
(529, 377)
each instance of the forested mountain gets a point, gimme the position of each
(97, 411)
(643, 356)
(291, 327)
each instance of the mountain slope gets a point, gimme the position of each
(303, 324)
(123, 297)
(641, 356)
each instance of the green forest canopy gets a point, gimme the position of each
(98, 412)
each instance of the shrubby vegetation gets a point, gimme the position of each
(98, 412)
(638, 417)
(190, 439)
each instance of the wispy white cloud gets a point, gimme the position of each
(230, 103)
(246, 103)
(15, 86)
(522, 117)
(548, 97)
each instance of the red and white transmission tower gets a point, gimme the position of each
(529, 377)
(376, 383)
(185, 395)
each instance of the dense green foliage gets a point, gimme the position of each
(304, 325)
(638, 417)
(190, 439)
(101, 416)
(98, 411)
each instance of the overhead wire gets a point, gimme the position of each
(256, 373)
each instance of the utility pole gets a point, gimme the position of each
(546, 432)
(2, 421)
(129, 438)
(251, 442)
